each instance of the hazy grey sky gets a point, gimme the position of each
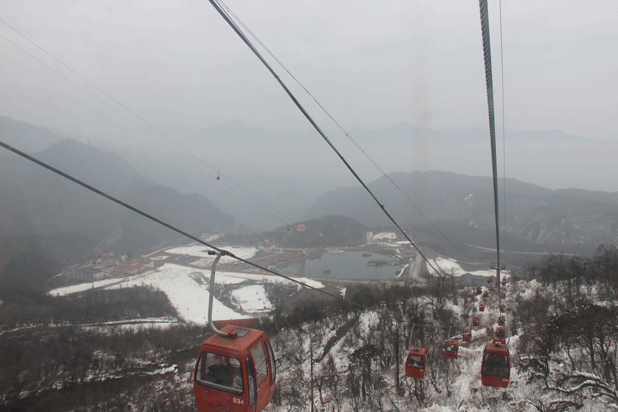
(372, 64)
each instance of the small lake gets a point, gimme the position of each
(349, 265)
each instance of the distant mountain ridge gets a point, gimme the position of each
(291, 169)
(532, 214)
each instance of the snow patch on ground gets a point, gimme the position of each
(69, 290)
(252, 299)
(187, 290)
(308, 282)
(367, 320)
(185, 293)
(451, 266)
(445, 265)
(531, 289)
(189, 298)
(133, 325)
(384, 236)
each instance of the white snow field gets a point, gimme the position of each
(384, 236)
(252, 299)
(451, 266)
(187, 290)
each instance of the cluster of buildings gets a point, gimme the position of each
(108, 265)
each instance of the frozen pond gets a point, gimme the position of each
(349, 265)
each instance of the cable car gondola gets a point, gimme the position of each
(476, 321)
(452, 348)
(502, 308)
(503, 282)
(496, 366)
(235, 369)
(503, 295)
(236, 373)
(490, 279)
(500, 335)
(466, 336)
(482, 307)
(486, 294)
(416, 363)
(501, 320)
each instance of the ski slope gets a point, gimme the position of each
(187, 290)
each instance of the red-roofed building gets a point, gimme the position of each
(108, 255)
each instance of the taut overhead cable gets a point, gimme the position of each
(244, 38)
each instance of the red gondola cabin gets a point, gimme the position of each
(486, 294)
(482, 307)
(476, 321)
(503, 295)
(500, 335)
(501, 320)
(235, 373)
(416, 363)
(503, 282)
(496, 367)
(467, 335)
(502, 308)
(452, 348)
(490, 279)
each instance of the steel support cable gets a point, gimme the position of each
(492, 126)
(131, 112)
(233, 16)
(244, 38)
(503, 125)
(156, 220)
(339, 126)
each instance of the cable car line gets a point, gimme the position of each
(496, 363)
(154, 219)
(503, 124)
(339, 126)
(492, 126)
(244, 38)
